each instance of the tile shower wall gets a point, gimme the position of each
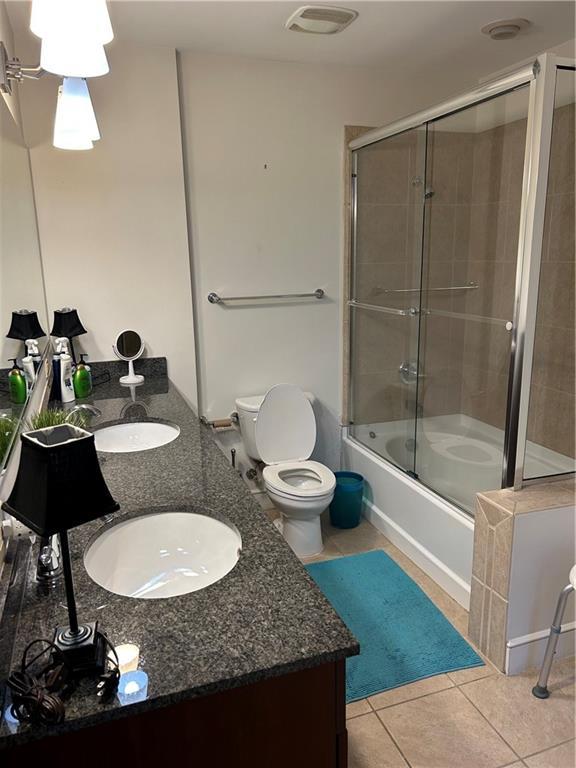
(449, 181)
(471, 235)
(388, 258)
(552, 400)
(488, 230)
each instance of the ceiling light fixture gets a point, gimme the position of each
(70, 57)
(73, 33)
(87, 19)
(505, 29)
(75, 125)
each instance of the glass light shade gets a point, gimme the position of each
(75, 125)
(87, 20)
(73, 57)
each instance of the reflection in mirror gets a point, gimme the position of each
(21, 278)
(67, 324)
(129, 346)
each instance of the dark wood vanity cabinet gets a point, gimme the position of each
(297, 720)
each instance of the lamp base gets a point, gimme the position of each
(84, 651)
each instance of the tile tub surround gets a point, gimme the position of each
(495, 550)
(471, 234)
(265, 618)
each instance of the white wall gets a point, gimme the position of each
(542, 556)
(112, 220)
(264, 145)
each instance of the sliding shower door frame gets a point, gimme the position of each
(540, 76)
(533, 205)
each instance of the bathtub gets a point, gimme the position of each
(458, 456)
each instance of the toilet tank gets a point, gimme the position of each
(247, 409)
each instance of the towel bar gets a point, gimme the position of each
(214, 298)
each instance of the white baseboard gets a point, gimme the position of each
(430, 564)
(527, 651)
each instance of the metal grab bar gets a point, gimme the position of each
(473, 318)
(214, 298)
(413, 311)
(468, 287)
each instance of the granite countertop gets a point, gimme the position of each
(265, 618)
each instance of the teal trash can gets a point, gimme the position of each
(346, 506)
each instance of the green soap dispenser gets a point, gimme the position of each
(17, 384)
(82, 379)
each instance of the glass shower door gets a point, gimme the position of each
(385, 294)
(474, 172)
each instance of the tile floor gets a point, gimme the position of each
(473, 718)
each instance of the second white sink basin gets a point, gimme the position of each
(135, 436)
(163, 555)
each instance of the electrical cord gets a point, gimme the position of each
(39, 698)
(108, 682)
(36, 698)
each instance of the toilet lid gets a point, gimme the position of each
(285, 427)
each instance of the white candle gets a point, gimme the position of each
(128, 657)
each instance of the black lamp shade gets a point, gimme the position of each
(25, 325)
(59, 483)
(67, 323)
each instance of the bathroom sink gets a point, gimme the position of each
(135, 436)
(163, 555)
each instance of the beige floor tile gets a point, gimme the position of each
(264, 501)
(354, 540)
(528, 724)
(271, 513)
(329, 552)
(358, 708)
(462, 676)
(563, 756)
(444, 730)
(410, 691)
(370, 746)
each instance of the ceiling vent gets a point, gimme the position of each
(506, 29)
(320, 19)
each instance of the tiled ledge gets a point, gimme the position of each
(495, 520)
(533, 498)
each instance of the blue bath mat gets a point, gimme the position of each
(403, 636)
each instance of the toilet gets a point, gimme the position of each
(279, 429)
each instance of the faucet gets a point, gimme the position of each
(49, 566)
(82, 408)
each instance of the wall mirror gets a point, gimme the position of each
(21, 278)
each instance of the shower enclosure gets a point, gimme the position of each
(461, 305)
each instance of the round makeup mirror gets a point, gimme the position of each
(129, 346)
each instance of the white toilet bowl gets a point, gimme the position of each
(280, 430)
(301, 491)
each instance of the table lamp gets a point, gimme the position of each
(58, 487)
(67, 323)
(25, 325)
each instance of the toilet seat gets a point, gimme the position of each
(299, 479)
(284, 436)
(286, 426)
